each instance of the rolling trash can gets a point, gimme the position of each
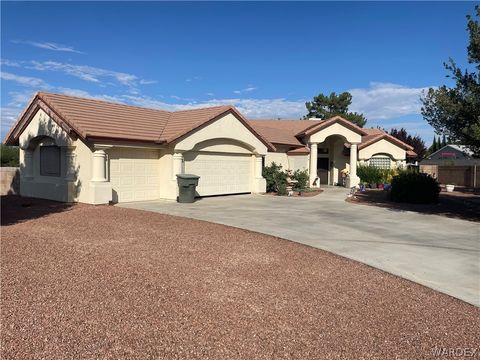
(187, 184)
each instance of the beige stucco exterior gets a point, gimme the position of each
(73, 182)
(328, 143)
(97, 173)
(383, 147)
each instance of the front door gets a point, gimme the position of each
(322, 170)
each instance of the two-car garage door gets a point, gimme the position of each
(220, 173)
(134, 174)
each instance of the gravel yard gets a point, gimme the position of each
(107, 282)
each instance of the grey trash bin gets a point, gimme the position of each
(186, 187)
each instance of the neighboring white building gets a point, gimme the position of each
(91, 151)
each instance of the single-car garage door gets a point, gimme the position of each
(220, 173)
(134, 174)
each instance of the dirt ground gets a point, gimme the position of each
(84, 282)
(457, 204)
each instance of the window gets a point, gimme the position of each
(380, 162)
(49, 160)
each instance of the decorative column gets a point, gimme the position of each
(28, 163)
(99, 166)
(177, 165)
(70, 173)
(313, 165)
(353, 179)
(100, 187)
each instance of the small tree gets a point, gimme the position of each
(413, 140)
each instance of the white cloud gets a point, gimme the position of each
(48, 45)
(5, 62)
(386, 100)
(90, 73)
(251, 108)
(24, 80)
(249, 88)
(195, 78)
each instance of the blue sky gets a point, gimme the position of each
(266, 58)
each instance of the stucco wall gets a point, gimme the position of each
(382, 147)
(9, 180)
(42, 130)
(335, 129)
(228, 127)
(280, 158)
(299, 162)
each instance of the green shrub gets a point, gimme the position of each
(302, 177)
(413, 187)
(370, 174)
(276, 178)
(9, 155)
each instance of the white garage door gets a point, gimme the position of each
(220, 173)
(134, 174)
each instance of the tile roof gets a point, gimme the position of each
(91, 118)
(299, 151)
(282, 131)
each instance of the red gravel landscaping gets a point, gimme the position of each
(83, 282)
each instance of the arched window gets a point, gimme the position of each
(49, 160)
(381, 162)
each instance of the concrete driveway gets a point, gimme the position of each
(438, 252)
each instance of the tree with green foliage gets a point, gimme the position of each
(9, 156)
(413, 140)
(325, 107)
(456, 111)
(444, 140)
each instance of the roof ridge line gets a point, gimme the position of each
(102, 101)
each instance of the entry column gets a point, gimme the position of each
(313, 164)
(353, 179)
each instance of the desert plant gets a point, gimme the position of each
(9, 155)
(302, 177)
(413, 187)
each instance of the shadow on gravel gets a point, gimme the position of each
(16, 209)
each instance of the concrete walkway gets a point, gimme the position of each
(438, 252)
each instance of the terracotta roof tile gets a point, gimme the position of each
(299, 151)
(95, 118)
(92, 118)
(282, 131)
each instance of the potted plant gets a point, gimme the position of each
(450, 187)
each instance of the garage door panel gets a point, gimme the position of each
(134, 174)
(220, 173)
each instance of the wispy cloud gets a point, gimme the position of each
(24, 80)
(90, 73)
(194, 78)
(249, 88)
(5, 62)
(386, 100)
(251, 108)
(48, 45)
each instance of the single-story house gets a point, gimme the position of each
(92, 151)
(451, 155)
(453, 164)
